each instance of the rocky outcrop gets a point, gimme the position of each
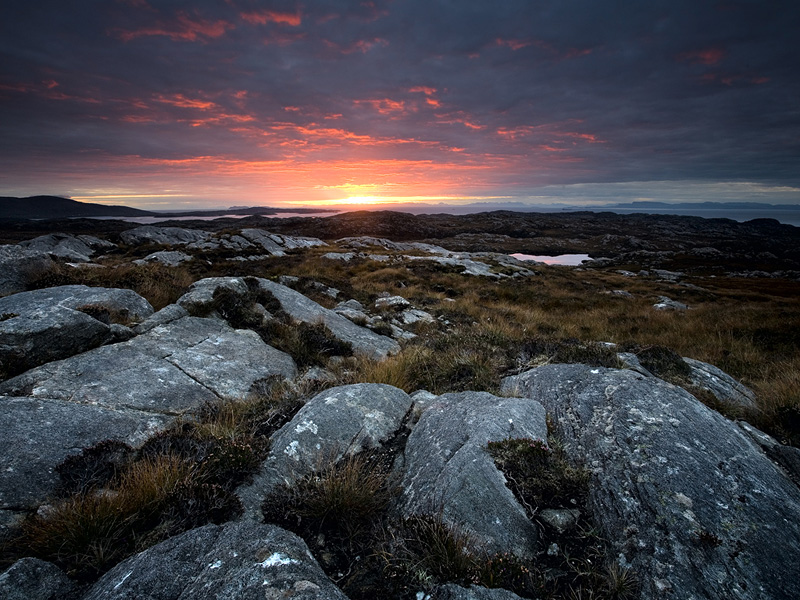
(54, 323)
(34, 579)
(172, 369)
(665, 303)
(65, 246)
(449, 472)
(298, 307)
(237, 561)
(724, 387)
(688, 500)
(338, 422)
(39, 433)
(170, 236)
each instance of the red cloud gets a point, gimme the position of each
(184, 102)
(428, 91)
(513, 44)
(708, 56)
(271, 16)
(184, 28)
(385, 106)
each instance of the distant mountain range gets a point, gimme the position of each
(55, 207)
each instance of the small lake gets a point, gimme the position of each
(570, 260)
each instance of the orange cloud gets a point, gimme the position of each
(184, 102)
(385, 106)
(428, 91)
(184, 28)
(262, 17)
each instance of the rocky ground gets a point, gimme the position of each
(590, 474)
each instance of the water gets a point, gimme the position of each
(151, 220)
(570, 260)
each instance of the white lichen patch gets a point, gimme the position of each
(215, 565)
(306, 426)
(277, 559)
(291, 450)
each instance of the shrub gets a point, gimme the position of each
(93, 468)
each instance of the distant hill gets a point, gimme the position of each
(54, 207)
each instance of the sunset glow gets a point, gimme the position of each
(373, 103)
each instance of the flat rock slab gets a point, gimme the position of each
(75, 248)
(39, 434)
(687, 499)
(126, 304)
(449, 472)
(171, 369)
(338, 422)
(236, 561)
(452, 591)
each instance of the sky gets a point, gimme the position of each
(170, 104)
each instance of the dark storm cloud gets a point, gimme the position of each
(546, 92)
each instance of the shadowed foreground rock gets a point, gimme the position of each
(236, 561)
(456, 592)
(34, 579)
(338, 422)
(449, 471)
(685, 497)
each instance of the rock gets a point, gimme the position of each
(224, 241)
(123, 305)
(168, 314)
(452, 591)
(168, 258)
(630, 361)
(19, 266)
(391, 302)
(342, 256)
(34, 579)
(67, 246)
(298, 307)
(171, 236)
(449, 472)
(38, 434)
(366, 242)
(621, 293)
(55, 323)
(560, 519)
(351, 305)
(414, 315)
(341, 421)
(667, 275)
(665, 303)
(235, 561)
(467, 266)
(787, 457)
(277, 244)
(724, 387)
(171, 369)
(685, 498)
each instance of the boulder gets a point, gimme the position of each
(277, 244)
(38, 434)
(168, 258)
(171, 236)
(34, 579)
(724, 387)
(235, 561)
(665, 303)
(19, 266)
(686, 499)
(54, 323)
(171, 369)
(337, 422)
(449, 472)
(391, 302)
